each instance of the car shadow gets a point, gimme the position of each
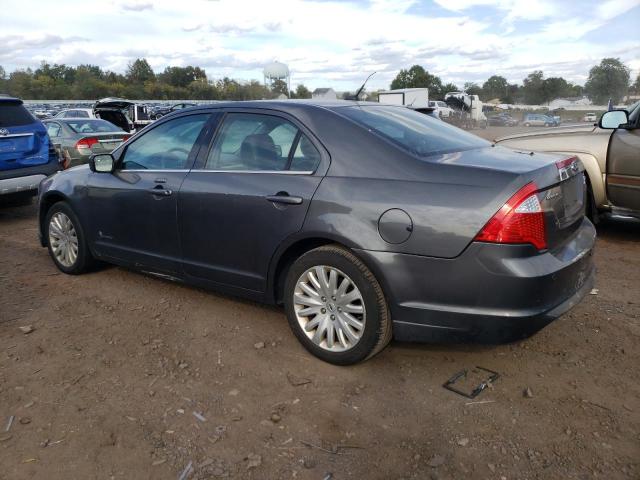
(619, 229)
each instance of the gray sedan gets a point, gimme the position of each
(365, 221)
(79, 138)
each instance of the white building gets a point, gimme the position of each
(324, 94)
(568, 102)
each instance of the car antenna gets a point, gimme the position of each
(355, 97)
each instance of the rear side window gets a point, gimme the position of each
(92, 126)
(13, 114)
(266, 143)
(53, 129)
(420, 134)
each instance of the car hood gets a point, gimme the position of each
(558, 131)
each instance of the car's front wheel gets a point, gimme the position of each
(335, 306)
(66, 241)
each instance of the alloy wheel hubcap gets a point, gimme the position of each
(329, 308)
(63, 239)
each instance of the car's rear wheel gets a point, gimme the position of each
(336, 307)
(66, 241)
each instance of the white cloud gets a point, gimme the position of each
(325, 43)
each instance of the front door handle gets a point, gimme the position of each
(160, 191)
(285, 198)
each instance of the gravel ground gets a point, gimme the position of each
(124, 376)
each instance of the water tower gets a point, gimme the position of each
(277, 71)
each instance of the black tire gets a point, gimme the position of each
(84, 260)
(377, 330)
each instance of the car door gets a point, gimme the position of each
(623, 164)
(248, 192)
(133, 209)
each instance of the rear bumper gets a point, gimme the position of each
(490, 293)
(21, 180)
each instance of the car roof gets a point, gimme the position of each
(8, 98)
(293, 104)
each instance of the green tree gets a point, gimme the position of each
(301, 92)
(554, 87)
(533, 88)
(279, 87)
(140, 71)
(635, 88)
(495, 87)
(449, 87)
(183, 76)
(608, 80)
(418, 77)
(3, 81)
(473, 88)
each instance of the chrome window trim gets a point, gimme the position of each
(280, 172)
(14, 135)
(138, 170)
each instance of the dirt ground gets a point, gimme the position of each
(125, 376)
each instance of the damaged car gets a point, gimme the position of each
(129, 116)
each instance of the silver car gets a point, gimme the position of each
(79, 138)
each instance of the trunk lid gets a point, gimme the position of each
(564, 202)
(20, 147)
(559, 181)
(107, 142)
(22, 137)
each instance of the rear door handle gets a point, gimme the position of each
(284, 197)
(160, 191)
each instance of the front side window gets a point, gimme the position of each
(420, 134)
(165, 147)
(256, 142)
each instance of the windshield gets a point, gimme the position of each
(92, 126)
(416, 132)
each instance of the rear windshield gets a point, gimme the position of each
(13, 114)
(416, 132)
(92, 126)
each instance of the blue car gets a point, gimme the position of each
(27, 156)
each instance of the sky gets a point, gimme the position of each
(327, 43)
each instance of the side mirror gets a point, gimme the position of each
(102, 163)
(613, 119)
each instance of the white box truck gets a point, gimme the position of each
(415, 98)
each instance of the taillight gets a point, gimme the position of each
(567, 167)
(86, 143)
(125, 138)
(520, 220)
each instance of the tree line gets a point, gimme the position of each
(63, 82)
(610, 79)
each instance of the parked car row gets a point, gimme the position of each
(31, 149)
